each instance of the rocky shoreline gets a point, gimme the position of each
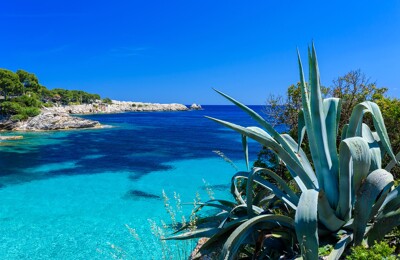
(59, 118)
(117, 107)
(48, 120)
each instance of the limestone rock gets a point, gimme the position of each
(118, 107)
(195, 106)
(11, 137)
(54, 121)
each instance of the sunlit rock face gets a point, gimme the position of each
(49, 120)
(195, 106)
(59, 118)
(119, 106)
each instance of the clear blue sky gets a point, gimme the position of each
(176, 51)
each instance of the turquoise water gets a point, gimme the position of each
(70, 195)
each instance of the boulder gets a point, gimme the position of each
(195, 106)
(11, 137)
(54, 121)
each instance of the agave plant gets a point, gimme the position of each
(346, 196)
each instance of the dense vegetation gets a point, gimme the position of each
(343, 196)
(22, 96)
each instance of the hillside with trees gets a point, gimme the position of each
(22, 96)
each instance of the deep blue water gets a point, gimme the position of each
(68, 194)
(137, 142)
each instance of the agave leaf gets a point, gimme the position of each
(379, 202)
(300, 156)
(305, 163)
(241, 233)
(291, 201)
(235, 191)
(356, 121)
(282, 183)
(332, 108)
(225, 203)
(392, 163)
(391, 202)
(374, 147)
(344, 132)
(301, 128)
(205, 220)
(201, 205)
(327, 215)
(355, 160)
(246, 151)
(375, 184)
(272, 202)
(376, 157)
(367, 134)
(259, 120)
(316, 128)
(321, 152)
(349, 225)
(266, 140)
(306, 222)
(202, 232)
(234, 222)
(263, 196)
(305, 97)
(237, 214)
(249, 192)
(340, 247)
(383, 225)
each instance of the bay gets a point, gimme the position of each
(72, 194)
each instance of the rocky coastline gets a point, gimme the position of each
(59, 117)
(117, 107)
(47, 121)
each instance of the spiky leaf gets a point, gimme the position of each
(377, 183)
(306, 222)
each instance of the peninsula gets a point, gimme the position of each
(26, 105)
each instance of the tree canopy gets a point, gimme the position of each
(9, 83)
(23, 95)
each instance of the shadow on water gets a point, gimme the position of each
(139, 143)
(137, 194)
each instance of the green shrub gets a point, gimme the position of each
(21, 108)
(30, 111)
(378, 251)
(48, 104)
(19, 117)
(28, 101)
(24, 113)
(10, 108)
(107, 101)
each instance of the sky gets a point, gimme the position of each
(177, 51)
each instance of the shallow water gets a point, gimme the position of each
(69, 194)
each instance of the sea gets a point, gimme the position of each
(98, 193)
